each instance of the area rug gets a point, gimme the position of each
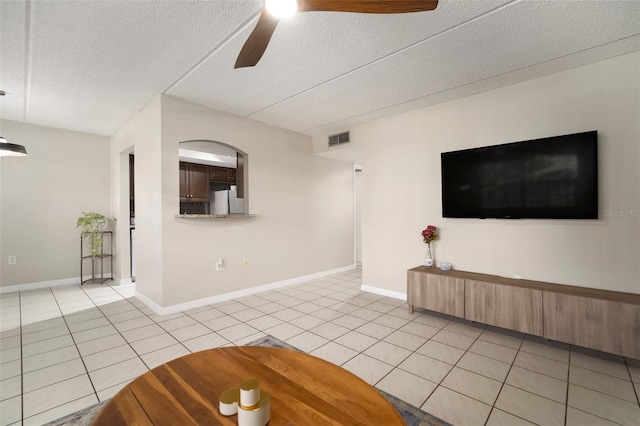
(413, 416)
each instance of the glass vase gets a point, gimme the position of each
(428, 257)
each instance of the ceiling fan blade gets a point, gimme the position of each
(367, 6)
(257, 42)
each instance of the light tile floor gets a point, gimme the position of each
(65, 348)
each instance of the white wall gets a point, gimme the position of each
(303, 206)
(42, 195)
(142, 135)
(358, 218)
(402, 189)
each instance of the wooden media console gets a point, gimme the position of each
(604, 320)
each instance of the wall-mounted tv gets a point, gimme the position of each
(549, 178)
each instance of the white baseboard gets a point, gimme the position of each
(42, 284)
(117, 281)
(151, 304)
(384, 292)
(39, 285)
(180, 307)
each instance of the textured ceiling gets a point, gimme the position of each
(90, 65)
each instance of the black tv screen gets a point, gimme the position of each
(550, 178)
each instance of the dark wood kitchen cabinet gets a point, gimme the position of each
(240, 165)
(194, 182)
(222, 175)
(132, 187)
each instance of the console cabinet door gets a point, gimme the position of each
(480, 302)
(505, 306)
(603, 325)
(519, 309)
(436, 293)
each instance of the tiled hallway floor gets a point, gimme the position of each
(65, 348)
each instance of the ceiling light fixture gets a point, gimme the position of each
(11, 149)
(281, 9)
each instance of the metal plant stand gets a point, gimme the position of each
(100, 256)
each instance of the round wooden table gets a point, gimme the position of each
(304, 390)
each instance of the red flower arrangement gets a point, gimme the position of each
(430, 234)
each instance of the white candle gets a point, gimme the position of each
(249, 393)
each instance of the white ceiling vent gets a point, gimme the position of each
(339, 139)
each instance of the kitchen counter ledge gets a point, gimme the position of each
(214, 216)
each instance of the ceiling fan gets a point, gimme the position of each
(275, 10)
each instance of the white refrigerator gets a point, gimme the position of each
(227, 202)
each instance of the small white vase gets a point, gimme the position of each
(429, 261)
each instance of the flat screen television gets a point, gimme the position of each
(549, 178)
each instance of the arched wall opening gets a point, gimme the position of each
(213, 178)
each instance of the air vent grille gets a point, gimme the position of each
(339, 139)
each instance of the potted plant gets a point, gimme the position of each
(92, 225)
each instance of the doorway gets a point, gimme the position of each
(357, 216)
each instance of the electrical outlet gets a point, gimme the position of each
(13, 260)
(219, 265)
(246, 263)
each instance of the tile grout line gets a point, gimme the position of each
(139, 356)
(327, 314)
(458, 361)
(216, 331)
(350, 330)
(242, 321)
(117, 331)
(601, 393)
(154, 322)
(331, 322)
(504, 382)
(566, 401)
(633, 386)
(79, 355)
(21, 361)
(414, 352)
(76, 346)
(397, 329)
(595, 415)
(443, 328)
(135, 307)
